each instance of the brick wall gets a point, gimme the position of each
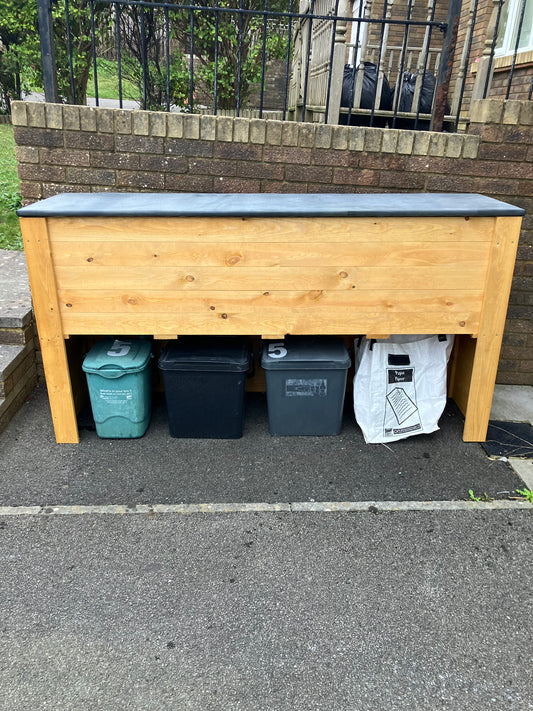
(520, 84)
(83, 149)
(506, 156)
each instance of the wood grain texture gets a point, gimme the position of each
(241, 255)
(272, 279)
(48, 318)
(280, 322)
(492, 323)
(91, 301)
(285, 230)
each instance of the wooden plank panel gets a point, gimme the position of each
(263, 321)
(172, 302)
(239, 255)
(492, 323)
(48, 318)
(461, 371)
(271, 278)
(290, 229)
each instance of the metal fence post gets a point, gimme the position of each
(446, 63)
(48, 58)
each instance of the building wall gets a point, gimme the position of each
(520, 84)
(83, 149)
(482, 40)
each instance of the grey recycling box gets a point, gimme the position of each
(305, 384)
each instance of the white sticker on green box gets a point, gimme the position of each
(114, 396)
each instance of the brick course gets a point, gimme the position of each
(81, 149)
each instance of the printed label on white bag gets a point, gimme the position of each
(405, 375)
(401, 404)
(310, 387)
(401, 410)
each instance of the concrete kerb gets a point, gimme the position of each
(371, 507)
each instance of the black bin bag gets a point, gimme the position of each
(425, 102)
(368, 96)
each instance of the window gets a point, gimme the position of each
(512, 12)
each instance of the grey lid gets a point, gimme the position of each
(207, 353)
(268, 205)
(305, 353)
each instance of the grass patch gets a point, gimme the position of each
(107, 73)
(9, 191)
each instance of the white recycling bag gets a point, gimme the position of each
(399, 387)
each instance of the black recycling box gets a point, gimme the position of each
(306, 383)
(204, 379)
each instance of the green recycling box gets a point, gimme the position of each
(118, 376)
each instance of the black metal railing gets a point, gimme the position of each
(211, 56)
(516, 31)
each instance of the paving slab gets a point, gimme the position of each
(10, 357)
(15, 295)
(512, 403)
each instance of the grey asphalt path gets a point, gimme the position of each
(91, 101)
(158, 469)
(267, 612)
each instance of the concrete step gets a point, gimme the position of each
(18, 370)
(18, 377)
(16, 315)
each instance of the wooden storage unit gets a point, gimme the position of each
(270, 265)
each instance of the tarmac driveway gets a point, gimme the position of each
(127, 607)
(267, 612)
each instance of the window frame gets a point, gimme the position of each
(508, 35)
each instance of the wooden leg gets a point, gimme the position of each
(51, 339)
(60, 396)
(76, 347)
(479, 392)
(461, 370)
(482, 359)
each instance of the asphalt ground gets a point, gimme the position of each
(267, 612)
(159, 469)
(262, 610)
